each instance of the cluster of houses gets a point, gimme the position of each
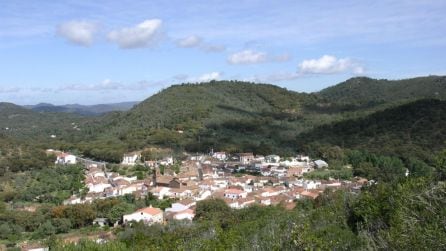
(274, 181)
(133, 158)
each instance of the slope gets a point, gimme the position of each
(416, 129)
(25, 124)
(363, 90)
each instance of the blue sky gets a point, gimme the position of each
(89, 52)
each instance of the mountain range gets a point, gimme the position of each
(88, 110)
(239, 116)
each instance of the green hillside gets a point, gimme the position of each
(25, 124)
(417, 129)
(363, 90)
(225, 115)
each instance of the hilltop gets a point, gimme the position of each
(363, 90)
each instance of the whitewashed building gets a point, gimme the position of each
(148, 215)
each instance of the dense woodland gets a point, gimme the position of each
(376, 129)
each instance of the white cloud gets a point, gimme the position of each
(106, 84)
(194, 41)
(206, 77)
(209, 76)
(256, 57)
(78, 32)
(328, 64)
(190, 41)
(109, 85)
(9, 89)
(142, 35)
(247, 57)
(282, 58)
(213, 48)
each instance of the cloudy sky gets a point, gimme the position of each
(88, 52)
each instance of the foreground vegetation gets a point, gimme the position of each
(406, 215)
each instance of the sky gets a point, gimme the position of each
(91, 52)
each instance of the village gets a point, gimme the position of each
(241, 180)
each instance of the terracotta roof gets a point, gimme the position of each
(164, 179)
(234, 191)
(150, 210)
(186, 211)
(245, 154)
(309, 194)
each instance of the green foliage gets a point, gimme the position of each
(402, 216)
(362, 91)
(414, 130)
(213, 209)
(116, 212)
(80, 215)
(325, 174)
(47, 185)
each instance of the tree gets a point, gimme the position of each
(214, 209)
(46, 229)
(118, 211)
(440, 165)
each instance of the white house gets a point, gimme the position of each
(160, 192)
(235, 193)
(246, 158)
(303, 158)
(97, 187)
(176, 207)
(220, 155)
(272, 159)
(130, 159)
(167, 161)
(320, 163)
(310, 184)
(204, 195)
(187, 214)
(65, 158)
(148, 215)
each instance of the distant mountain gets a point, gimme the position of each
(230, 116)
(88, 110)
(19, 122)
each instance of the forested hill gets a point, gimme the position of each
(22, 123)
(417, 129)
(226, 115)
(183, 106)
(363, 90)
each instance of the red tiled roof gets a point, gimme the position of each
(234, 191)
(150, 210)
